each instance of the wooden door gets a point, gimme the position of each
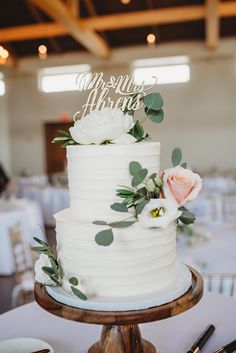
(55, 155)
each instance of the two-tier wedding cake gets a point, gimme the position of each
(118, 237)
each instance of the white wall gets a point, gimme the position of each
(4, 135)
(200, 116)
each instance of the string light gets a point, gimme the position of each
(151, 39)
(4, 54)
(42, 49)
(125, 2)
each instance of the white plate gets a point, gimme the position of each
(23, 345)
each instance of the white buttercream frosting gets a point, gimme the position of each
(95, 172)
(139, 260)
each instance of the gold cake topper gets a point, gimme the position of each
(99, 95)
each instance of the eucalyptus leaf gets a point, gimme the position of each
(78, 293)
(137, 131)
(184, 165)
(60, 139)
(176, 156)
(74, 281)
(121, 224)
(100, 223)
(153, 101)
(54, 266)
(134, 167)
(141, 206)
(48, 270)
(104, 237)
(40, 241)
(119, 207)
(139, 178)
(39, 248)
(187, 217)
(156, 116)
(64, 133)
(124, 192)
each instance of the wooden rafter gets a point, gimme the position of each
(57, 10)
(116, 21)
(38, 17)
(74, 7)
(212, 23)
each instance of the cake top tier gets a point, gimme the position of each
(96, 172)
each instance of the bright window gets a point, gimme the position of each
(2, 85)
(62, 78)
(166, 70)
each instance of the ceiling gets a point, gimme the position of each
(21, 12)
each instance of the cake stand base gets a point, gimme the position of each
(122, 339)
(120, 333)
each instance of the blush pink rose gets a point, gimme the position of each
(181, 185)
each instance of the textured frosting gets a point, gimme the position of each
(96, 171)
(139, 260)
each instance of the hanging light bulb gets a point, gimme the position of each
(42, 52)
(125, 2)
(4, 54)
(151, 39)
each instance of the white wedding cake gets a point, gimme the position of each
(140, 260)
(118, 237)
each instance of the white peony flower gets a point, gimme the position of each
(40, 275)
(105, 125)
(158, 213)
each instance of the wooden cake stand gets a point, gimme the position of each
(120, 333)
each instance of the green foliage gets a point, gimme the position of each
(187, 217)
(134, 168)
(184, 165)
(121, 224)
(100, 223)
(138, 132)
(153, 101)
(78, 293)
(119, 207)
(139, 177)
(176, 157)
(74, 281)
(104, 237)
(140, 206)
(156, 116)
(65, 138)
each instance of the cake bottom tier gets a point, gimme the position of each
(139, 261)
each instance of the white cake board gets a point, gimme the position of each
(157, 298)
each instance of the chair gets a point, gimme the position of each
(23, 292)
(221, 283)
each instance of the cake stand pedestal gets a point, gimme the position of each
(120, 333)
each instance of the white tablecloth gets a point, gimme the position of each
(50, 199)
(174, 335)
(28, 215)
(218, 255)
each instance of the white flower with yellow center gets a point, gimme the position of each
(158, 213)
(106, 125)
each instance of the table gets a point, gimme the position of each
(50, 199)
(28, 215)
(217, 255)
(172, 335)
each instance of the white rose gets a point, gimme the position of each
(158, 213)
(40, 275)
(105, 125)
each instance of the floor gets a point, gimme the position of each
(7, 283)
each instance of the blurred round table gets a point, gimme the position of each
(50, 199)
(176, 334)
(28, 215)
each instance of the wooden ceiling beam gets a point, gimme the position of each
(212, 24)
(58, 11)
(74, 7)
(116, 21)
